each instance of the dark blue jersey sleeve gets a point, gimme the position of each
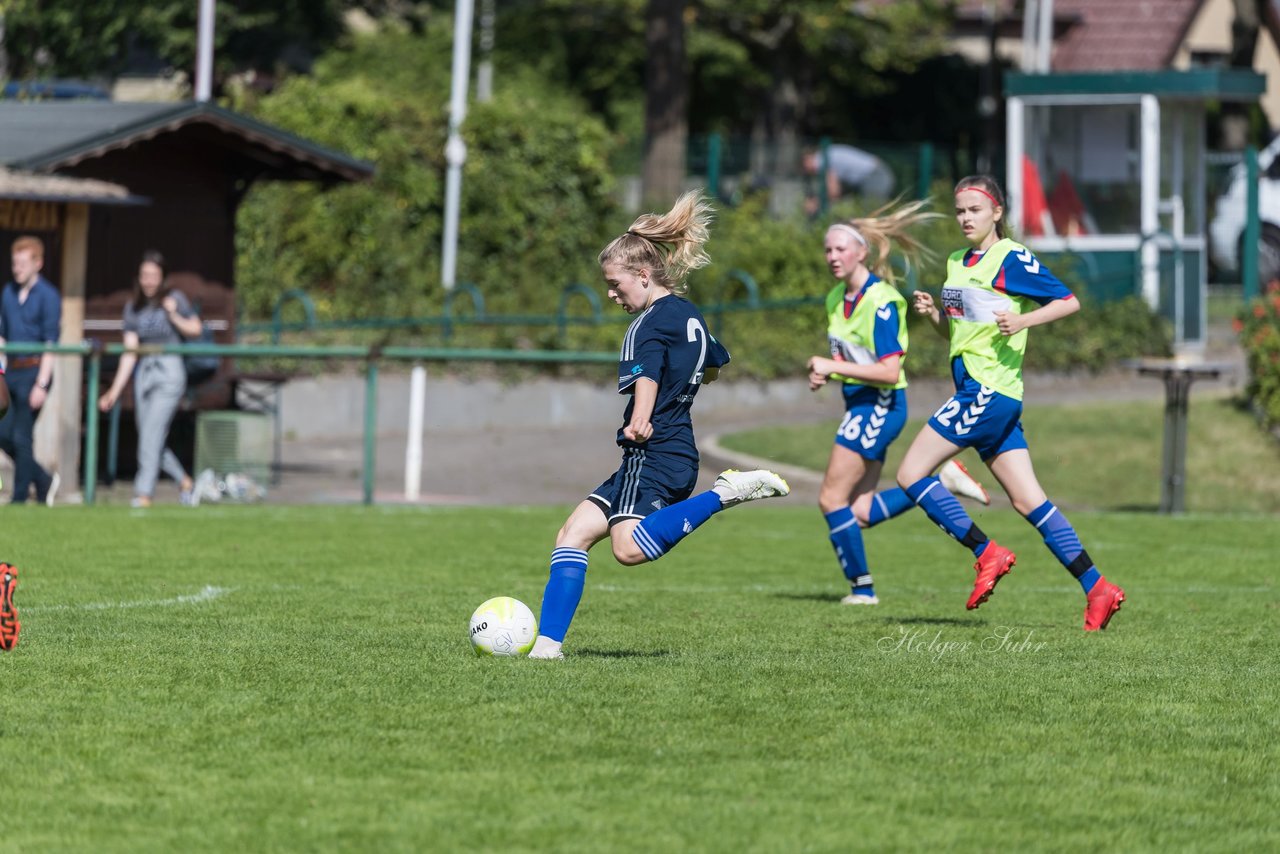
(886, 332)
(717, 355)
(644, 355)
(1022, 275)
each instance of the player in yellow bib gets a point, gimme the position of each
(995, 291)
(867, 336)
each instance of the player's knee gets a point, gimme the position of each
(862, 509)
(829, 501)
(629, 557)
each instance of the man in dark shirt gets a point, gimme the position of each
(30, 312)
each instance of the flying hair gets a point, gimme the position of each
(889, 224)
(668, 245)
(987, 186)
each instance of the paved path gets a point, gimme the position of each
(510, 466)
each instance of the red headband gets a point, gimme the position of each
(980, 190)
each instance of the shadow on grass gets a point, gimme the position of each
(807, 597)
(620, 653)
(934, 621)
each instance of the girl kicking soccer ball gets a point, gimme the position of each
(645, 508)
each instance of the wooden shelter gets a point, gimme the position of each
(56, 209)
(187, 167)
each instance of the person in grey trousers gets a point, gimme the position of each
(157, 314)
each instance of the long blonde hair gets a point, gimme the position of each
(669, 246)
(891, 223)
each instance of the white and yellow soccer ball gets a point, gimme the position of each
(503, 626)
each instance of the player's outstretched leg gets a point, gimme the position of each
(994, 560)
(659, 532)
(956, 478)
(1102, 598)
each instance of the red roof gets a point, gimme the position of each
(1102, 35)
(1122, 35)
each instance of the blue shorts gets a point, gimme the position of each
(873, 418)
(980, 418)
(646, 482)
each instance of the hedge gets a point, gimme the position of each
(1259, 330)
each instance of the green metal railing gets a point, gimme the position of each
(448, 320)
(93, 352)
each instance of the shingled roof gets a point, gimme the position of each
(58, 188)
(1122, 35)
(54, 135)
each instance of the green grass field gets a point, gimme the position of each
(272, 679)
(1104, 456)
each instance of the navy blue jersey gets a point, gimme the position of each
(668, 343)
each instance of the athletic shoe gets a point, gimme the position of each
(736, 487)
(205, 488)
(546, 649)
(1101, 605)
(994, 564)
(956, 478)
(9, 624)
(55, 481)
(860, 599)
(140, 502)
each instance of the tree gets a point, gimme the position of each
(666, 100)
(72, 38)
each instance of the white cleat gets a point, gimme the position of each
(545, 648)
(735, 487)
(860, 599)
(956, 478)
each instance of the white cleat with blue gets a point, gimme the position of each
(736, 487)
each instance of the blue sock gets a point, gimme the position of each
(885, 505)
(1062, 540)
(563, 592)
(947, 513)
(846, 539)
(659, 532)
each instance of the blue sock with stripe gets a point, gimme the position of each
(885, 505)
(563, 592)
(1063, 541)
(659, 532)
(846, 539)
(947, 513)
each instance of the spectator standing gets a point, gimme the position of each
(30, 313)
(157, 314)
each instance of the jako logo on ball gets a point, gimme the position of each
(503, 626)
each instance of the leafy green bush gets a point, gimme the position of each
(1259, 329)
(538, 204)
(537, 196)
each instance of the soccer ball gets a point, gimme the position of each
(503, 626)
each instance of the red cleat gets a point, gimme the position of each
(1101, 605)
(995, 563)
(9, 624)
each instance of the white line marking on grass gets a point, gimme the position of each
(207, 594)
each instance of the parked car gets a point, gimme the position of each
(1226, 229)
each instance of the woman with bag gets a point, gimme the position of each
(157, 314)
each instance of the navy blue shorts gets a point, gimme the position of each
(873, 418)
(980, 418)
(646, 482)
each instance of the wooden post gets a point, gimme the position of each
(58, 430)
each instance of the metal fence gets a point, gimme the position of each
(93, 352)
